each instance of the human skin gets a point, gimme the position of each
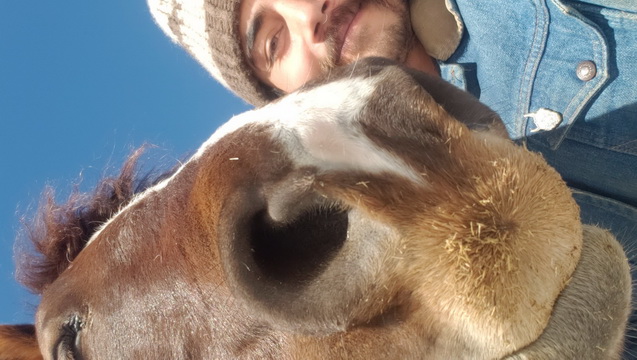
(296, 41)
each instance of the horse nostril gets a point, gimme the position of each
(324, 7)
(296, 251)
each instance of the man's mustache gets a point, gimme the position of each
(338, 18)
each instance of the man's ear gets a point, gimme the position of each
(18, 342)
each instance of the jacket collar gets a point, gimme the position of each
(438, 26)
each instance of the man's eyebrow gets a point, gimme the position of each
(254, 26)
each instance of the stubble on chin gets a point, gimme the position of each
(394, 42)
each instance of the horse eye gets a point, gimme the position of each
(68, 344)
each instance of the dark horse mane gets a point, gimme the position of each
(58, 232)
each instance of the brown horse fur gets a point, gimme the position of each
(357, 218)
(17, 342)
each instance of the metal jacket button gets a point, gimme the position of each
(586, 70)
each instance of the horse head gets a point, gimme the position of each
(375, 214)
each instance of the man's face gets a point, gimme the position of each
(289, 42)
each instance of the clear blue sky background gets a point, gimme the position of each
(81, 84)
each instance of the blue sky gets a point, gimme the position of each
(82, 83)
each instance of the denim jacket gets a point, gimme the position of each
(563, 77)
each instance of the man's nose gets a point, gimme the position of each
(307, 18)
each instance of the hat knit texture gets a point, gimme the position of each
(209, 31)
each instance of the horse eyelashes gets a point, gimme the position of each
(68, 344)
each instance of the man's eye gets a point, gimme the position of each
(273, 47)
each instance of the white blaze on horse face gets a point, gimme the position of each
(321, 128)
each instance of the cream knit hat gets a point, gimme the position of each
(209, 31)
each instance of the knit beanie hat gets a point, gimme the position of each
(209, 31)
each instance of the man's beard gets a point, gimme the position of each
(397, 38)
